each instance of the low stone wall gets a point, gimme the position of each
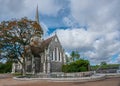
(111, 75)
(78, 74)
(94, 77)
(75, 79)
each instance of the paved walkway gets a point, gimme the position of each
(5, 76)
(12, 82)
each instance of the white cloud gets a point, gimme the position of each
(76, 38)
(70, 21)
(101, 40)
(47, 7)
(97, 46)
(118, 59)
(94, 11)
(45, 29)
(68, 54)
(23, 8)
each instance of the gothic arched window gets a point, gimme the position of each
(55, 54)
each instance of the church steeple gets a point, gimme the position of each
(40, 31)
(37, 15)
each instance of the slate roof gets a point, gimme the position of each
(37, 50)
(46, 42)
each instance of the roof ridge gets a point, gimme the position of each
(50, 37)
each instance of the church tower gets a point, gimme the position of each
(37, 39)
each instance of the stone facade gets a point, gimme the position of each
(49, 60)
(46, 56)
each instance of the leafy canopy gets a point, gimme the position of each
(15, 38)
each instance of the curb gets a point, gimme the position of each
(82, 79)
(96, 77)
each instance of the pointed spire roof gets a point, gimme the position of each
(37, 19)
(37, 15)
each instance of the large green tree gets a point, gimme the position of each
(74, 56)
(15, 36)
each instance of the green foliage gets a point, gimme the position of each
(76, 66)
(83, 69)
(15, 36)
(107, 66)
(103, 63)
(5, 67)
(94, 67)
(74, 56)
(17, 74)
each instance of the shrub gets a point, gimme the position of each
(77, 66)
(5, 67)
(83, 69)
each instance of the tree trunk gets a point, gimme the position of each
(33, 65)
(23, 68)
(23, 71)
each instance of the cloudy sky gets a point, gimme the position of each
(90, 26)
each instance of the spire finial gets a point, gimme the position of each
(37, 15)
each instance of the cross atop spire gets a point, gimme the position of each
(37, 15)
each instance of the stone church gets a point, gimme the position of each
(47, 55)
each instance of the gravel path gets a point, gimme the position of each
(106, 82)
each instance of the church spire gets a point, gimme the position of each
(37, 15)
